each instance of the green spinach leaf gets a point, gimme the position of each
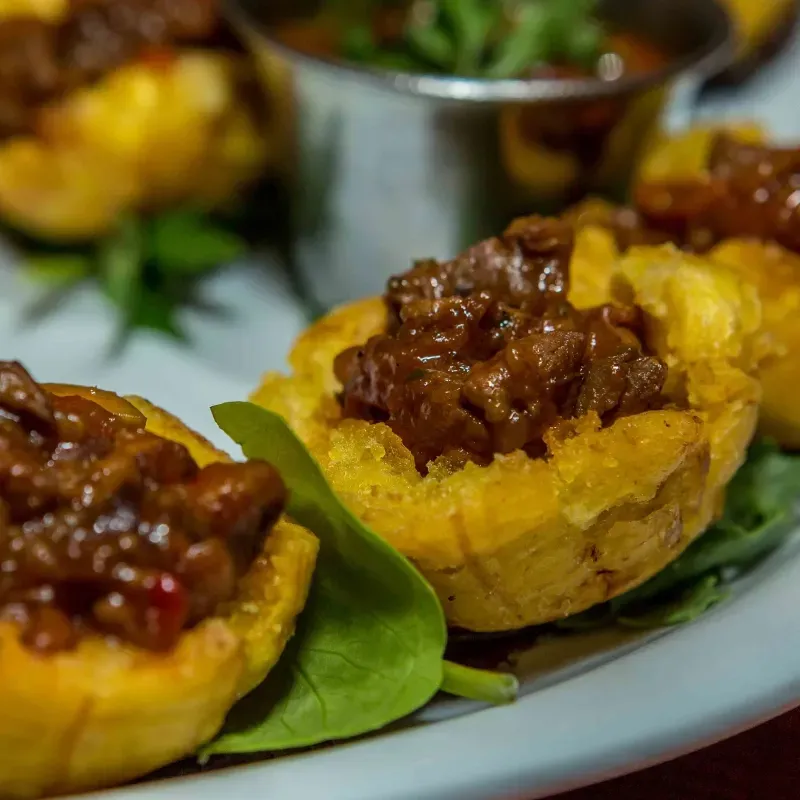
(371, 639)
(687, 605)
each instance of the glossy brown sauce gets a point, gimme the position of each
(485, 355)
(108, 528)
(40, 61)
(749, 191)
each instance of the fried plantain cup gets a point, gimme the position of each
(105, 712)
(772, 269)
(172, 124)
(757, 23)
(775, 272)
(524, 540)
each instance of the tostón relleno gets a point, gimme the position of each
(114, 107)
(532, 459)
(729, 193)
(148, 583)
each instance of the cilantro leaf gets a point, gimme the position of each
(186, 242)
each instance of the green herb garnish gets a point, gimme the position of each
(148, 267)
(478, 38)
(370, 642)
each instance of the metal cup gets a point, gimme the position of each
(385, 167)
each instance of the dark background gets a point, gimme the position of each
(762, 764)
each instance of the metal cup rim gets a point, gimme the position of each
(713, 57)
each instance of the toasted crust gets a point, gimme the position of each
(525, 541)
(101, 714)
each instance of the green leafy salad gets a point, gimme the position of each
(470, 38)
(370, 644)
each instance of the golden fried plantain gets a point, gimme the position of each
(524, 541)
(102, 714)
(773, 270)
(757, 22)
(776, 274)
(171, 127)
(684, 156)
(146, 136)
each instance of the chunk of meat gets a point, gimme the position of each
(526, 264)
(484, 354)
(109, 528)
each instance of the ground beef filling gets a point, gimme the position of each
(484, 354)
(750, 191)
(105, 527)
(40, 61)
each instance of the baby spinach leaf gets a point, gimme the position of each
(370, 641)
(479, 684)
(689, 604)
(351, 668)
(758, 516)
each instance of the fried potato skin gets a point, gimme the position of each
(101, 714)
(525, 541)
